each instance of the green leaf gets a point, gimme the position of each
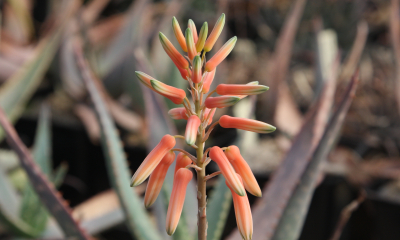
(17, 91)
(32, 210)
(9, 207)
(293, 217)
(138, 220)
(42, 149)
(121, 46)
(218, 209)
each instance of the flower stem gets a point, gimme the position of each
(201, 184)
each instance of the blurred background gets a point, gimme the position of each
(305, 51)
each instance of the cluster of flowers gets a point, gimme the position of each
(200, 74)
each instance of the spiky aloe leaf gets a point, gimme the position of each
(9, 206)
(121, 46)
(32, 210)
(137, 218)
(289, 227)
(16, 92)
(48, 195)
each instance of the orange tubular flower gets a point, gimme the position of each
(178, 34)
(181, 180)
(192, 126)
(156, 179)
(193, 29)
(182, 161)
(218, 156)
(221, 54)
(208, 79)
(244, 219)
(243, 169)
(190, 44)
(178, 113)
(239, 89)
(176, 95)
(202, 37)
(152, 160)
(219, 25)
(176, 57)
(245, 124)
(196, 77)
(221, 102)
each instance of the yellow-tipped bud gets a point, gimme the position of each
(221, 54)
(197, 74)
(191, 47)
(178, 34)
(176, 57)
(202, 37)
(219, 25)
(192, 27)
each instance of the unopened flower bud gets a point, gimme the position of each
(145, 79)
(219, 25)
(220, 55)
(245, 124)
(152, 160)
(244, 219)
(243, 169)
(191, 47)
(196, 76)
(218, 156)
(193, 29)
(221, 102)
(176, 95)
(202, 37)
(207, 112)
(192, 126)
(181, 180)
(239, 89)
(182, 161)
(208, 79)
(156, 179)
(176, 57)
(178, 113)
(178, 34)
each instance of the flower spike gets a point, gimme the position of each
(182, 161)
(178, 34)
(193, 29)
(196, 77)
(208, 79)
(174, 94)
(221, 102)
(178, 113)
(192, 126)
(239, 89)
(243, 169)
(244, 219)
(176, 57)
(191, 47)
(245, 124)
(181, 180)
(202, 37)
(221, 54)
(219, 25)
(157, 178)
(218, 156)
(152, 160)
